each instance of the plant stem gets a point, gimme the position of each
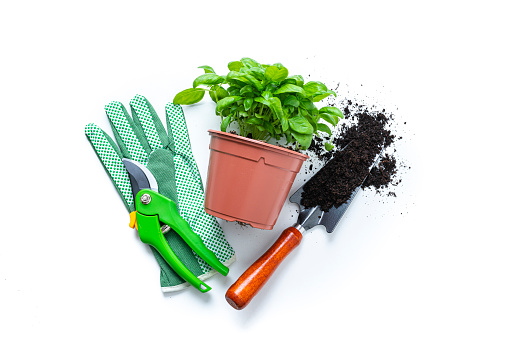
(241, 125)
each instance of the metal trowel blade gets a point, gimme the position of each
(314, 216)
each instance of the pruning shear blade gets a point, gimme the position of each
(140, 176)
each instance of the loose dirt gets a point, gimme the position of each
(364, 136)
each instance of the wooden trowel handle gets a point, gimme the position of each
(252, 280)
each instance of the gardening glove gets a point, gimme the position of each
(144, 139)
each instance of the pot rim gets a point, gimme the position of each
(258, 143)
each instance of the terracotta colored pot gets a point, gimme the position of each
(249, 180)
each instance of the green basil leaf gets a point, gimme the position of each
(270, 72)
(226, 122)
(233, 90)
(312, 122)
(332, 111)
(248, 102)
(303, 112)
(271, 87)
(254, 81)
(295, 79)
(281, 75)
(313, 87)
(324, 128)
(291, 100)
(328, 146)
(256, 72)
(307, 104)
(275, 106)
(189, 96)
(255, 121)
(217, 93)
(284, 124)
(289, 88)
(300, 125)
(233, 75)
(208, 79)
(331, 119)
(303, 139)
(249, 62)
(225, 102)
(246, 89)
(322, 95)
(266, 95)
(276, 74)
(262, 101)
(207, 69)
(235, 65)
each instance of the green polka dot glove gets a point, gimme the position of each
(168, 155)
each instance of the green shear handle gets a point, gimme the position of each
(153, 210)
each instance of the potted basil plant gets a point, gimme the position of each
(248, 177)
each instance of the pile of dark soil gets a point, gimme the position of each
(364, 137)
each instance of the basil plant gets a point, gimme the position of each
(265, 102)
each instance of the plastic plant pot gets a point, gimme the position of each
(248, 180)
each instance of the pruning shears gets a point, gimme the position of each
(155, 215)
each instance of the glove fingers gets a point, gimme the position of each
(146, 117)
(130, 139)
(111, 159)
(176, 122)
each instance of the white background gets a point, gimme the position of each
(431, 263)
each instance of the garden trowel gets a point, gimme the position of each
(253, 279)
